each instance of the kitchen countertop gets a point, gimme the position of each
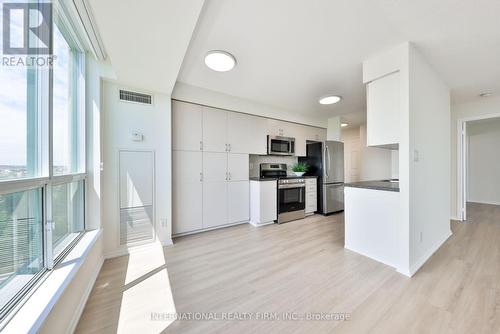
(256, 178)
(375, 185)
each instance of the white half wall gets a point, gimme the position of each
(120, 121)
(483, 161)
(430, 161)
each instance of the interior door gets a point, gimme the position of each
(464, 170)
(333, 197)
(214, 130)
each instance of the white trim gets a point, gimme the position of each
(423, 259)
(461, 187)
(268, 223)
(32, 314)
(483, 202)
(209, 229)
(85, 296)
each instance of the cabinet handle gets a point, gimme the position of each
(226, 176)
(201, 145)
(226, 147)
(229, 176)
(229, 145)
(201, 177)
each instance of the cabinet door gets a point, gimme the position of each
(300, 135)
(187, 166)
(186, 207)
(238, 201)
(238, 167)
(383, 106)
(214, 167)
(246, 134)
(186, 126)
(187, 191)
(214, 130)
(214, 204)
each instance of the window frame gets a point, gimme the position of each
(40, 133)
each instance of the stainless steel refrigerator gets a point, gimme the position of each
(326, 161)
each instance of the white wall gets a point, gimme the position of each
(483, 161)
(120, 120)
(430, 163)
(482, 107)
(211, 98)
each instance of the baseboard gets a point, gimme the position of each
(456, 218)
(168, 242)
(83, 301)
(262, 224)
(484, 202)
(421, 261)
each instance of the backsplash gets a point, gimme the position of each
(256, 160)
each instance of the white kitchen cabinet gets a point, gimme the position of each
(300, 133)
(280, 128)
(315, 134)
(214, 167)
(263, 202)
(238, 201)
(246, 134)
(214, 130)
(311, 195)
(187, 207)
(214, 204)
(238, 167)
(187, 191)
(186, 126)
(383, 109)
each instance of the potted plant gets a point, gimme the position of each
(300, 168)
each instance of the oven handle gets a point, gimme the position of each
(291, 186)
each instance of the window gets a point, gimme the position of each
(42, 162)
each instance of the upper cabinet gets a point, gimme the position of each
(246, 134)
(187, 126)
(215, 130)
(383, 110)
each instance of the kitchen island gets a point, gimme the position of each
(371, 219)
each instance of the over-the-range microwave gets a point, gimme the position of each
(277, 145)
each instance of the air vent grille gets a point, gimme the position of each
(129, 96)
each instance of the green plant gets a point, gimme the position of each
(300, 167)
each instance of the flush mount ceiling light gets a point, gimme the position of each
(220, 61)
(344, 125)
(330, 99)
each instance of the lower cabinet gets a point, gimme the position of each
(238, 201)
(214, 204)
(209, 190)
(311, 195)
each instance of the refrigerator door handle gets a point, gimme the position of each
(327, 161)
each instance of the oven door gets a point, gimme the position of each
(280, 146)
(291, 198)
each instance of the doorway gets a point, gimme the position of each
(478, 162)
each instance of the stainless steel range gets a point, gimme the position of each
(291, 192)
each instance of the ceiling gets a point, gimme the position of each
(146, 40)
(291, 52)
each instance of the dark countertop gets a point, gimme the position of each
(256, 178)
(375, 185)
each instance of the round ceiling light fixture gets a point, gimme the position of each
(344, 125)
(329, 99)
(220, 61)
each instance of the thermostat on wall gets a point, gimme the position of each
(137, 136)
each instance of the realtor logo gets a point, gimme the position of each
(27, 28)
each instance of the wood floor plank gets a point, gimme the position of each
(302, 267)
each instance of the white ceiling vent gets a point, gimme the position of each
(128, 96)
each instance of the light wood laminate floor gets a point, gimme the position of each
(302, 267)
